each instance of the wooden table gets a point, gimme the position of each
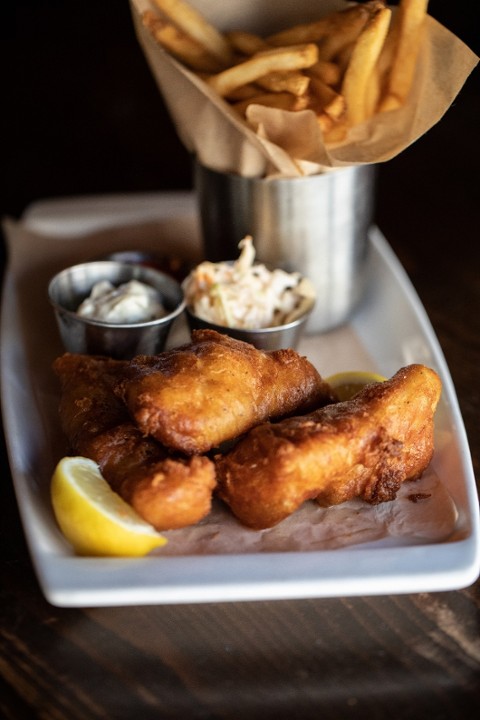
(406, 656)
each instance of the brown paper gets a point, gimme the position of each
(286, 143)
(429, 519)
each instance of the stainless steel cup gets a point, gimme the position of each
(270, 338)
(317, 225)
(118, 340)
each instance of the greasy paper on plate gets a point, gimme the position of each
(278, 142)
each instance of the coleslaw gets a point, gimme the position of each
(245, 295)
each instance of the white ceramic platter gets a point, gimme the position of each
(389, 330)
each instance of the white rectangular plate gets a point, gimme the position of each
(389, 330)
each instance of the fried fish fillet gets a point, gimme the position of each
(214, 389)
(167, 491)
(362, 448)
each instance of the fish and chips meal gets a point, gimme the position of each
(346, 66)
(216, 420)
(261, 431)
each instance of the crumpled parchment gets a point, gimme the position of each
(281, 143)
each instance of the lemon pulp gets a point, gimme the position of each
(348, 383)
(93, 518)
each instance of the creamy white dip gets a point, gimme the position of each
(131, 302)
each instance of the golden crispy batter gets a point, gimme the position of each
(167, 491)
(195, 397)
(365, 447)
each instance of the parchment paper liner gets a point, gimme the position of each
(285, 143)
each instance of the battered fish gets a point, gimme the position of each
(214, 389)
(365, 447)
(167, 491)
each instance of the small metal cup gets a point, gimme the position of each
(271, 338)
(118, 340)
(316, 225)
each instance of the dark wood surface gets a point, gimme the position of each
(84, 117)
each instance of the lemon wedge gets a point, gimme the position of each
(349, 383)
(93, 518)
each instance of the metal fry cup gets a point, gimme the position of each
(275, 337)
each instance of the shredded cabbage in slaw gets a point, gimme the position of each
(245, 295)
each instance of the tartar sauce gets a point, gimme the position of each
(131, 302)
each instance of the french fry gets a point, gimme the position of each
(343, 57)
(411, 18)
(249, 44)
(389, 102)
(330, 102)
(278, 100)
(362, 63)
(193, 23)
(180, 45)
(244, 92)
(336, 134)
(318, 29)
(304, 33)
(328, 72)
(246, 43)
(345, 32)
(292, 81)
(388, 50)
(296, 57)
(373, 92)
(325, 122)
